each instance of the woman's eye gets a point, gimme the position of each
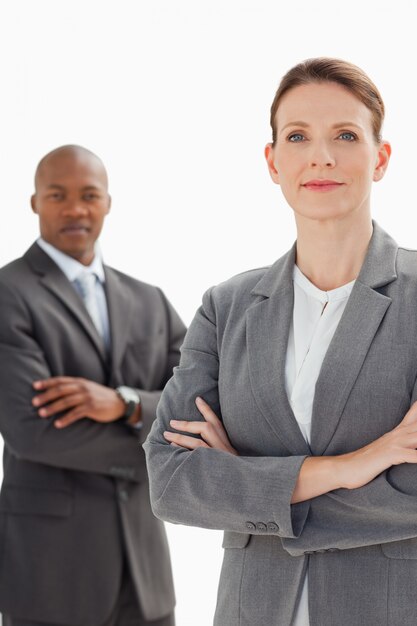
(296, 137)
(347, 136)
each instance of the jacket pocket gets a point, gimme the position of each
(235, 540)
(22, 501)
(406, 549)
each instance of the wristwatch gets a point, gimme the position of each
(130, 397)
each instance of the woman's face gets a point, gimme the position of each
(325, 157)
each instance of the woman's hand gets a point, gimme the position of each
(321, 474)
(394, 448)
(212, 432)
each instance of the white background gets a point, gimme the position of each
(175, 96)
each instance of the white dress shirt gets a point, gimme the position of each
(73, 269)
(316, 315)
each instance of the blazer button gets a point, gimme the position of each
(272, 527)
(250, 526)
(123, 495)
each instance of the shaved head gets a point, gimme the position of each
(71, 200)
(74, 154)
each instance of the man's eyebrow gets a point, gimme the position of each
(55, 186)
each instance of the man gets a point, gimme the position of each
(84, 352)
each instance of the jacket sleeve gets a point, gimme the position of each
(109, 449)
(211, 488)
(175, 337)
(383, 511)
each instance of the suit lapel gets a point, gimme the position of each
(120, 315)
(268, 325)
(57, 283)
(360, 321)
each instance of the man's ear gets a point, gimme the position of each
(33, 203)
(108, 203)
(270, 156)
(384, 153)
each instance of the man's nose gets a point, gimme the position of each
(75, 207)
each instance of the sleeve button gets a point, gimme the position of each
(250, 526)
(272, 527)
(261, 527)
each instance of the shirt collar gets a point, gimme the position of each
(71, 267)
(340, 293)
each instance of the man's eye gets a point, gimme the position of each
(296, 137)
(55, 196)
(347, 136)
(90, 197)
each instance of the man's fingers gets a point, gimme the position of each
(191, 443)
(47, 383)
(67, 402)
(58, 391)
(69, 418)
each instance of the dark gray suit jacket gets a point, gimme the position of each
(73, 500)
(361, 545)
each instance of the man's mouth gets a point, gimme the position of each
(75, 229)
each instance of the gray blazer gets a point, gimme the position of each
(360, 545)
(74, 501)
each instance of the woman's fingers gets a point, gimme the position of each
(183, 441)
(411, 415)
(210, 416)
(211, 431)
(206, 411)
(205, 429)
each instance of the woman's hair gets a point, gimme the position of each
(349, 76)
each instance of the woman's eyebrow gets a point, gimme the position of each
(302, 124)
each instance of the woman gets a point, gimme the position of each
(311, 365)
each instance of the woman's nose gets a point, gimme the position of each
(321, 156)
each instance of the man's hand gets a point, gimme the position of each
(76, 398)
(212, 432)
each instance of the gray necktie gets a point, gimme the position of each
(86, 283)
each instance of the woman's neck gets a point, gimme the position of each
(331, 253)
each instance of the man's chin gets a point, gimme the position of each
(79, 253)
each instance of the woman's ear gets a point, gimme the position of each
(384, 153)
(270, 156)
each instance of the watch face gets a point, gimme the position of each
(128, 395)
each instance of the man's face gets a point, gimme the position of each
(71, 200)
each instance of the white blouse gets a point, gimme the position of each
(316, 315)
